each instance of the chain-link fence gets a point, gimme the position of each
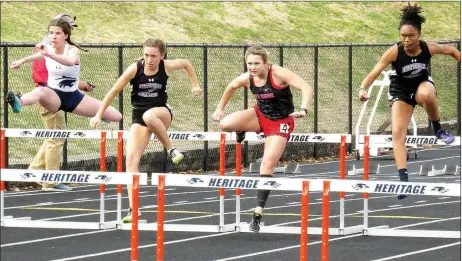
(334, 71)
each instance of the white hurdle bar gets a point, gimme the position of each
(83, 177)
(407, 188)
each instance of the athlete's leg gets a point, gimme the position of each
(426, 97)
(401, 114)
(246, 120)
(137, 142)
(89, 106)
(274, 148)
(158, 120)
(45, 96)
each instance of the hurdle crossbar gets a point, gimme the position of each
(83, 177)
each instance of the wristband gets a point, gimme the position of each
(305, 110)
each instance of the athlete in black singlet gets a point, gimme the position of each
(410, 83)
(151, 114)
(273, 114)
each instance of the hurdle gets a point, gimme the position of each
(221, 227)
(103, 178)
(304, 186)
(242, 226)
(342, 139)
(408, 188)
(209, 181)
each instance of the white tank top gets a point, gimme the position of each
(61, 77)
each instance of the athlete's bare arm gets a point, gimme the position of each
(435, 48)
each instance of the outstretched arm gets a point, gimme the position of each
(240, 81)
(435, 48)
(18, 63)
(388, 57)
(123, 80)
(298, 83)
(178, 64)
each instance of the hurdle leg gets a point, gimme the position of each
(222, 173)
(102, 189)
(366, 177)
(2, 183)
(2, 200)
(160, 218)
(102, 168)
(325, 221)
(304, 222)
(120, 157)
(238, 191)
(342, 176)
(134, 234)
(119, 204)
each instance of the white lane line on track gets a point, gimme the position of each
(381, 210)
(444, 197)
(313, 243)
(393, 206)
(44, 203)
(180, 202)
(390, 165)
(78, 199)
(53, 238)
(144, 246)
(417, 252)
(420, 201)
(210, 198)
(154, 195)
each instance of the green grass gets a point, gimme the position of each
(240, 23)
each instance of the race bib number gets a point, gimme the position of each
(284, 128)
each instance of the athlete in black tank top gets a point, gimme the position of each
(410, 84)
(149, 91)
(273, 114)
(150, 114)
(275, 103)
(409, 71)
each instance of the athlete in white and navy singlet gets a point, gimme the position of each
(60, 77)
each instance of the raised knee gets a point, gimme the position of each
(225, 126)
(427, 95)
(118, 116)
(149, 119)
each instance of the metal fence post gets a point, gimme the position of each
(315, 118)
(246, 105)
(458, 93)
(5, 104)
(206, 107)
(350, 93)
(121, 94)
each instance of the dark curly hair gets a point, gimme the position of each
(411, 16)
